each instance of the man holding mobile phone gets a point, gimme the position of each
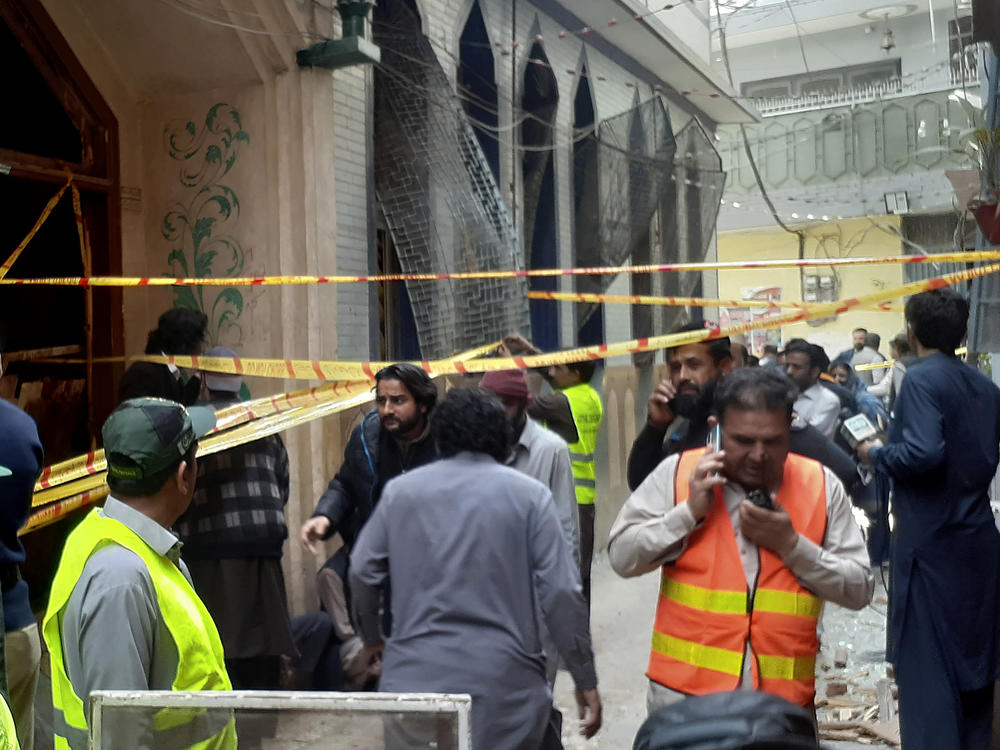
(753, 577)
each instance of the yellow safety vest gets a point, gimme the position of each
(200, 666)
(585, 405)
(8, 732)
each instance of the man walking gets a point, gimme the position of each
(574, 412)
(233, 534)
(544, 456)
(21, 454)
(122, 613)
(392, 439)
(945, 596)
(472, 546)
(750, 541)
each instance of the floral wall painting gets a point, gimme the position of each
(201, 226)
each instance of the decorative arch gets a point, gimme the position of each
(477, 86)
(586, 207)
(539, 105)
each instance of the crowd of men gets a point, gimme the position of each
(467, 535)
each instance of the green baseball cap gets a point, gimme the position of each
(144, 437)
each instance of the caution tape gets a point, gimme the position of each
(642, 299)
(960, 352)
(323, 370)
(157, 281)
(34, 230)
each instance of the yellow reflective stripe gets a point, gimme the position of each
(707, 600)
(699, 655)
(787, 603)
(787, 667)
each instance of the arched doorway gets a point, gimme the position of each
(586, 210)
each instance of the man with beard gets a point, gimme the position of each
(542, 455)
(750, 540)
(815, 404)
(681, 404)
(392, 439)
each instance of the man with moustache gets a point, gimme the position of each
(681, 404)
(750, 541)
(392, 439)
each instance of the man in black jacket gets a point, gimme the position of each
(392, 438)
(680, 404)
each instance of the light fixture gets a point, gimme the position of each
(887, 41)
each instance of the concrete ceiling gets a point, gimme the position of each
(775, 22)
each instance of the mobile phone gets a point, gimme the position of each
(761, 499)
(714, 440)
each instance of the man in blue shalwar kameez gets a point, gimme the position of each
(945, 571)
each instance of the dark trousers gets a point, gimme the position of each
(586, 514)
(934, 713)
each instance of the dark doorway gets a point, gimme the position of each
(586, 211)
(57, 122)
(539, 100)
(477, 86)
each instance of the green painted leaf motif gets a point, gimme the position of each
(203, 263)
(202, 229)
(233, 296)
(177, 256)
(213, 154)
(184, 297)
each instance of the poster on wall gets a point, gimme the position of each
(738, 315)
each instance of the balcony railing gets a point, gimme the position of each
(892, 88)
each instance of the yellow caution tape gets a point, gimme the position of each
(960, 352)
(322, 370)
(643, 299)
(34, 230)
(139, 281)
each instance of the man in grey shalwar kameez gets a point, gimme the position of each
(472, 544)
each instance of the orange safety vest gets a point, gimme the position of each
(705, 614)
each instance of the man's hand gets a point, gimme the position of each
(771, 529)
(660, 414)
(865, 448)
(707, 475)
(515, 344)
(314, 530)
(589, 704)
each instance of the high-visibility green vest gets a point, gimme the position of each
(8, 732)
(588, 412)
(200, 666)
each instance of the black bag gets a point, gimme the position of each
(740, 720)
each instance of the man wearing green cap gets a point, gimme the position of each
(122, 613)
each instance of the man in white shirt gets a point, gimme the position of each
(815, 404)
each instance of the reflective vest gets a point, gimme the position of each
(8, 731)
(199, 649)
(706, 616)
(585, 406)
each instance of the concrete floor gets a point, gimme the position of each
(621, 625)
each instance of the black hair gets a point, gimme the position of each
(471, 419)
(719, 349)
(755, 389)
(873, 340)
(770, 349)
(180, 330)
(901, 343)
(801, 346)
(147, 486)
(864, 330)
(417, 382)
(939, 319)
(584, 369)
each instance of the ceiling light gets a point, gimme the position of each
(888, 11)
